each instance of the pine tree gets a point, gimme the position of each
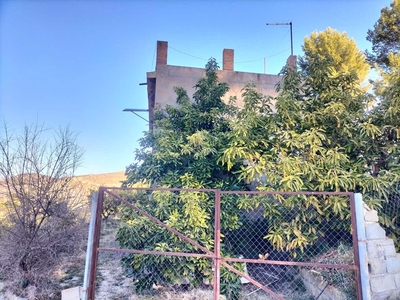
(385, 37)
(342, 51)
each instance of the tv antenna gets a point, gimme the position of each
(291, 33)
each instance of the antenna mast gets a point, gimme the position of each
(291, 34)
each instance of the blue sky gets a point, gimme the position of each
(79, 63)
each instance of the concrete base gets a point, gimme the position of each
(72, 293)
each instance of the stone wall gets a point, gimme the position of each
(383, 261)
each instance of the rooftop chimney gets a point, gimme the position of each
(162, 53)
(291, 62)
(227, 60)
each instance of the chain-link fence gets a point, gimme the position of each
(389, 215)
(388, 207)
(200, 244)
(300, 246)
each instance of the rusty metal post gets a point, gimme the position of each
(355, 245)
(217, 244)
(91, 290)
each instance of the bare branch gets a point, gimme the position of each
(41, 216)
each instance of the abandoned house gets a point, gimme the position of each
(161, 82)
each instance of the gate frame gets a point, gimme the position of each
(89, 292)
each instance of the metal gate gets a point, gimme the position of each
(262, 241)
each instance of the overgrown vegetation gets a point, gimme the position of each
(185, 144)
(385, 58)
(325, 133)
(345, 57)
(44, 212)
(321, 138)
(385, 37)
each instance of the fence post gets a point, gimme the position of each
(217, 241)
(89, 245)
(362, 247)
(91, 290)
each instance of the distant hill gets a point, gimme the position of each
(90, 182)
(108, 179)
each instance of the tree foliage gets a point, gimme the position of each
(322, 135)
(41, 219)
(182, 151)
(345, 57)
(307, 144)
(386, 117)
(385, 37)
(385, 57)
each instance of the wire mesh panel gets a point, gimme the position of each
(200, 244)
(299, 246)
(161, 240)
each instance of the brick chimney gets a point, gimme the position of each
(291, 62)
(162, 53)
(227, 60)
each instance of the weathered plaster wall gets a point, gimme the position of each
(167, 77)
(161, 82)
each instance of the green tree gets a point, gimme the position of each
(385, 57)
(345, 57)
(320, 138)
(385, 37)
(186, 139)
(386, 117)
(182, 152)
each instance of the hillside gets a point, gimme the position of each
(95, 180)
(70, 270)
(88, 183)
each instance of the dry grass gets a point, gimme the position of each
(70, 271)
(342, 279)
